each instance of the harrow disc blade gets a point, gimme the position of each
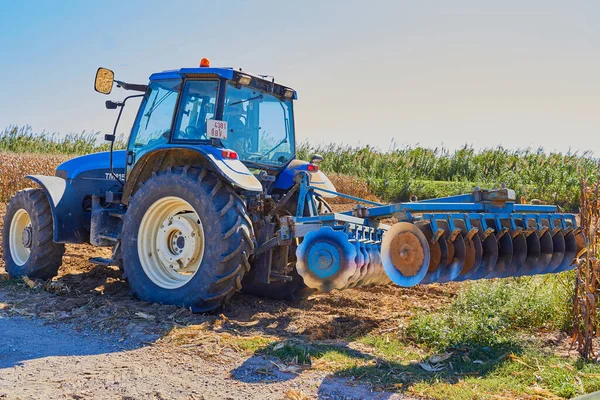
(505, 255)
(326, 259)
(405, 254)
(438, 251)
(568, 261)
(367, 268)
(456, 259)
(473, 258)
(546, 252)
(558, 252)
(517, 264)
(433, 275)
(534, 248)
(489, 257)
(360, 261)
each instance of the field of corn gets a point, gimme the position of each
(392, 175)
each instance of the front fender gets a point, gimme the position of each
(67, 214)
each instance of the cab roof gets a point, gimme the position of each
(217, 72)
(223, 72)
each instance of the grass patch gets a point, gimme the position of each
(492, 313)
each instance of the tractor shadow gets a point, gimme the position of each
(359, 370)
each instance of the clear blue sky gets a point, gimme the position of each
(516, 73)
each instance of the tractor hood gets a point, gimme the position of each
(318, 179)
(93, 166)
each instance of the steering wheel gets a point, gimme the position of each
(192, 132)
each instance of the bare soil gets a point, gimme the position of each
(82, 335)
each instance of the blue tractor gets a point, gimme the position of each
(209, 199)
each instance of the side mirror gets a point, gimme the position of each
(104, 80)
(112, 105)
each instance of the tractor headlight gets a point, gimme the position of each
(288, 93)
(244, 80)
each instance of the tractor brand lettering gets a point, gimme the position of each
(108, 175)
(216, 129)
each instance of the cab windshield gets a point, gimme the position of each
(259, 126)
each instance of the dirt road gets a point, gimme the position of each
(38, 361)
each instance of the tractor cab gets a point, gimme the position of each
(250, 117)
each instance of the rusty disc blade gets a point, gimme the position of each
(433, 276)
(456, 259)
(474, 256)
(405, 254)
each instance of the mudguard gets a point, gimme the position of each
(318, 179)
(234, 171)
(65, 203)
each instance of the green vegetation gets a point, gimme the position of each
(492, 313)
(23, 140)
(397, 174)
(393, 175)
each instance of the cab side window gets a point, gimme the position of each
(197, 106)
(153, 124)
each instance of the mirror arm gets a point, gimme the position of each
(131, 86)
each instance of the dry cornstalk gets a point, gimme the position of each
(585, 309)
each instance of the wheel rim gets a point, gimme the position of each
(171, 242)
(20, 237)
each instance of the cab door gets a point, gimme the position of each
(152, 126)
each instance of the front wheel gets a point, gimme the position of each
(27, 246)
(186, 240)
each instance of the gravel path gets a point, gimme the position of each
(41, 361)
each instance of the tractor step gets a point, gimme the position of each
(102, 261)
(117, 214)
(109, 238)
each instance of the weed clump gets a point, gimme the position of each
(492, 313)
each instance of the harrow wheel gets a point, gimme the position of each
(186, 240)
(27, 245)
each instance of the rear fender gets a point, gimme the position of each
(233, 171)
(67, 214)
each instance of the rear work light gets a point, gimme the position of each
(312, 167)
(229, 154)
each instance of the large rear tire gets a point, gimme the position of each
(186, 240)
(27, 246)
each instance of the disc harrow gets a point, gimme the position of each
(481, 235)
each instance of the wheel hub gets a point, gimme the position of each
(20, 237)
(171, 242)
(178, 245)
(27, 237)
